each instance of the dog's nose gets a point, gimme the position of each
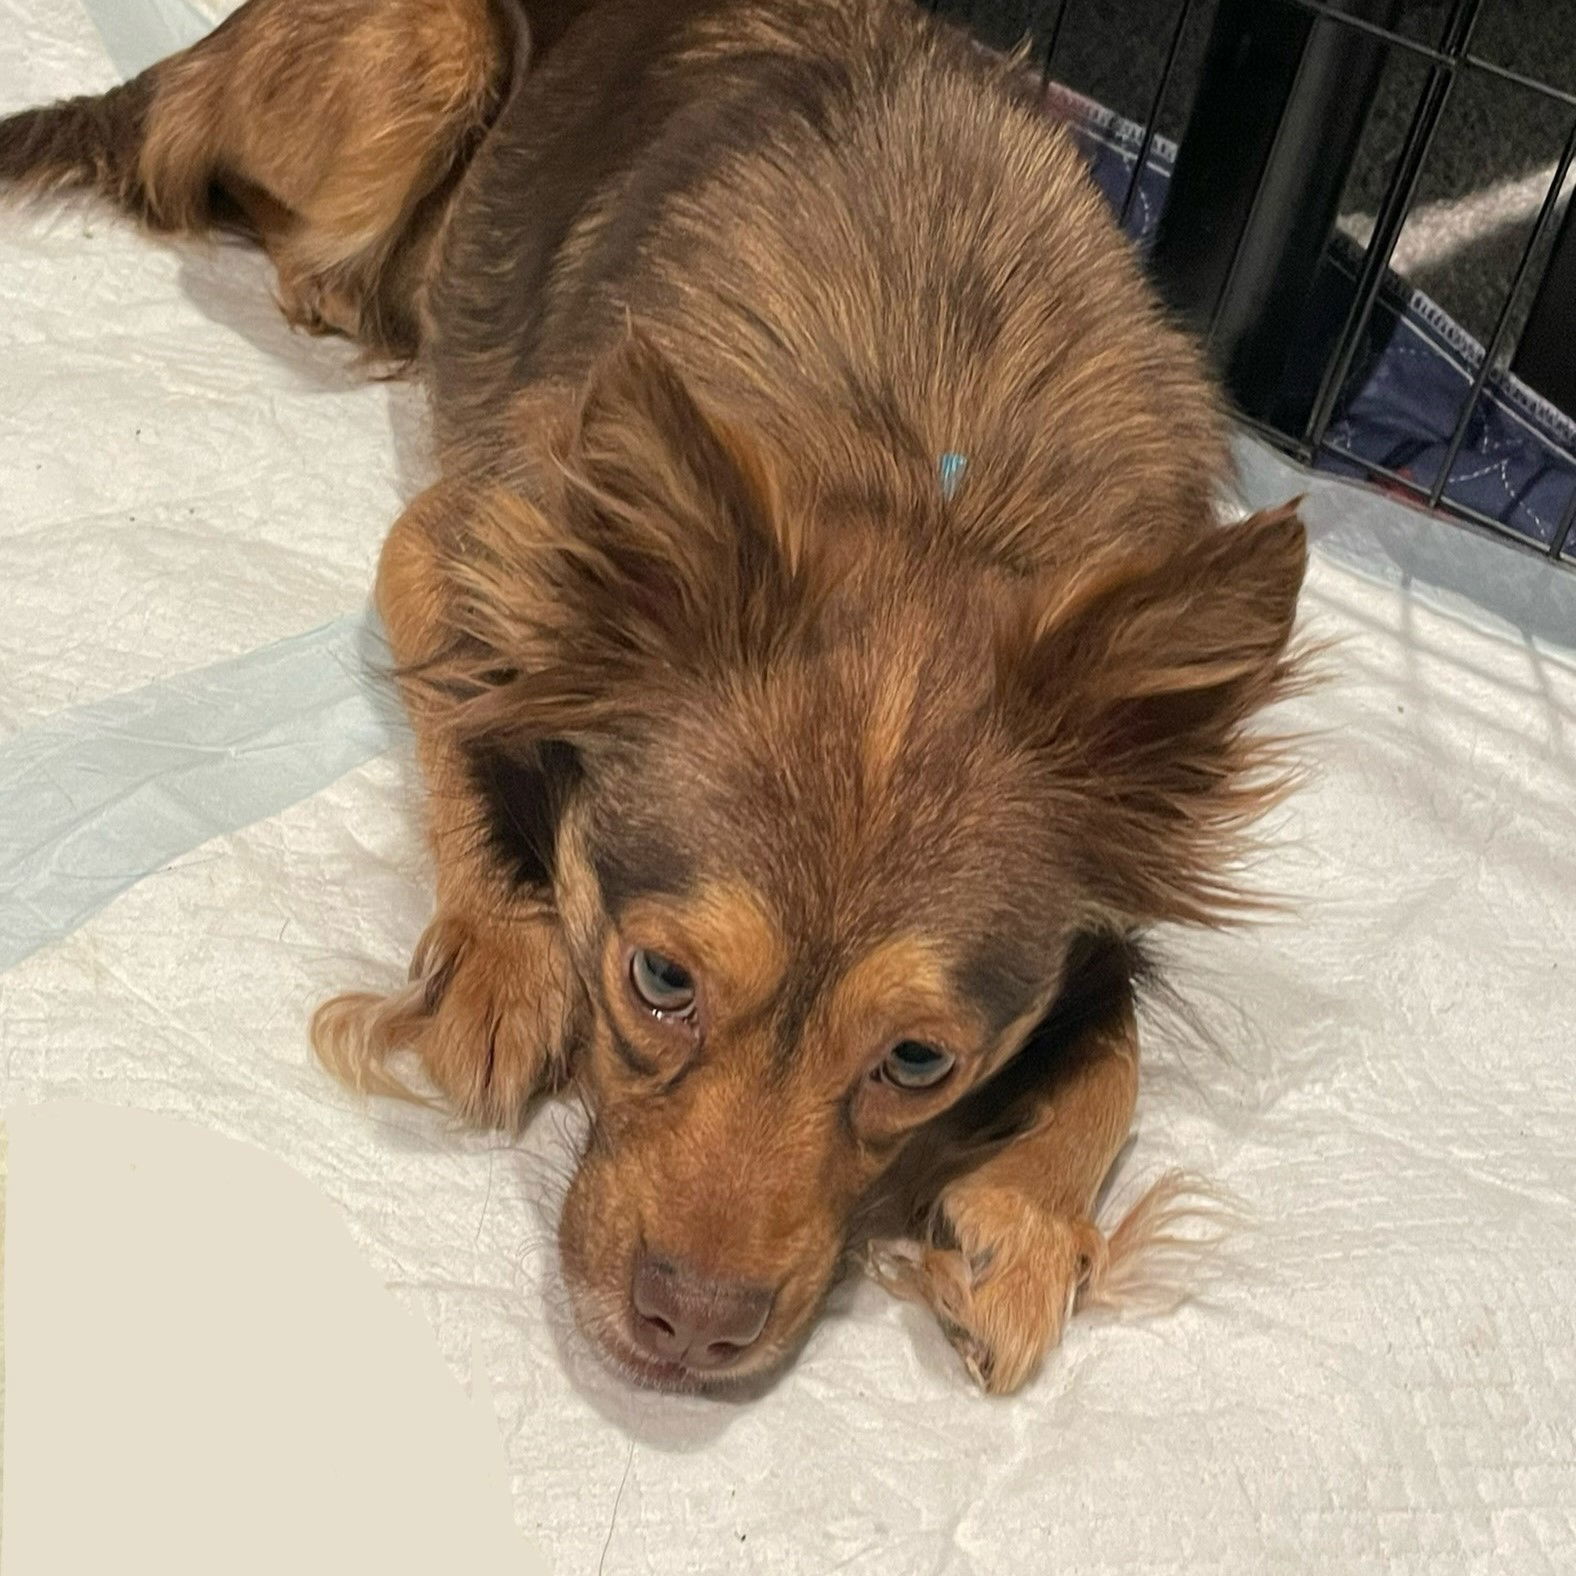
(684, 1316)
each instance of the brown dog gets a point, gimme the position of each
(823, 660)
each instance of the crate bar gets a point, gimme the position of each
(1563, 535)
(1460, 513)
(1156, 105)
(1053, 38)
(1295, 448)
(1546, 354)
(1422, 51)
(1275, 127)
(1532, 85)
(1391, 217)
(1559, 340)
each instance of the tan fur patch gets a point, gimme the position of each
(901, 987)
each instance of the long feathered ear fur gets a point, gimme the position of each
(652, 551)
(1135, 685)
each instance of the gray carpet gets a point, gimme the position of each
(1477, 197)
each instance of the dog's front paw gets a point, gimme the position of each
(500, 1007)
(316, 306)
(490, 1009)
(1000, 1273)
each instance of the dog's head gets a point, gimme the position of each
(824, 801)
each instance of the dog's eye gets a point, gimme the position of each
(912, 1065)
(661, 983)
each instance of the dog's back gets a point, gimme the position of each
(851, 231)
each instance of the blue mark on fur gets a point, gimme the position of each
(953, 465)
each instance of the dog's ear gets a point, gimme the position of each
(654, 478)
(683, 557)
(1135, 685)
(649, 552)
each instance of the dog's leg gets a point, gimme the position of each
(1010, 1244)
(493, 1004)
(328, 130)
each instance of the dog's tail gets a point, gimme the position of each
(91, 144)
(141, 146)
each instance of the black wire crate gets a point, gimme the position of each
(1362, 206)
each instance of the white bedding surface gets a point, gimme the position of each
(1384, 1381)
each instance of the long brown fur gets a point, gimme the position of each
(707, 656)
